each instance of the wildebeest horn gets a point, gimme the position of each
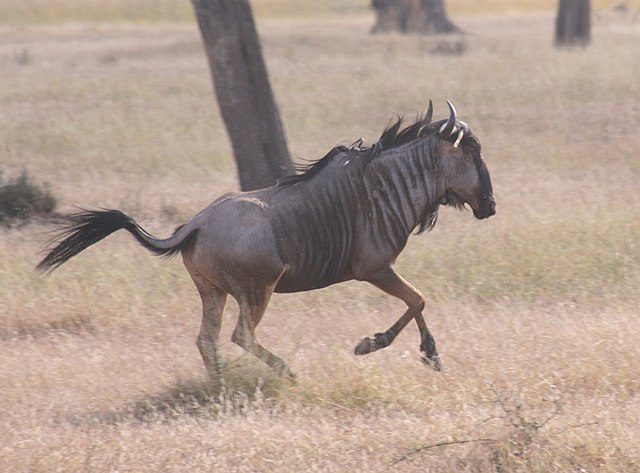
(450, 127)
(429, 115)
(426, 121)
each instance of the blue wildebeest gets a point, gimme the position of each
(347, 216)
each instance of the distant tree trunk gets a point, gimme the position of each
(437, 20)
(243, 90)
(391, 15)
(573, 23)
(412, 16)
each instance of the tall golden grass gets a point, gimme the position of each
(534, 311)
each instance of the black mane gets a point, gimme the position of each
(393, 136)
(307, 171)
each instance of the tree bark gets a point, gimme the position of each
(241, 84)
(437, 20)
(573, 22)
(412, 16)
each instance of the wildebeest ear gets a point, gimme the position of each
(458, 139)
(449, 127)
(357, 144)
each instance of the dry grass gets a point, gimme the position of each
(535, 310)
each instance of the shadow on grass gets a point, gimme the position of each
(241, 389)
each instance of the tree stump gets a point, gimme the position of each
(573, 23)
(412, 16)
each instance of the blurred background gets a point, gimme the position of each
(110, 104)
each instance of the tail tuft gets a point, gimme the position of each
(81, 230)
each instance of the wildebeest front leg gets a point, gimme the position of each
(392, 283)
(428, 345)
(253, 304)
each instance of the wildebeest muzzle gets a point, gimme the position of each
(486, 209)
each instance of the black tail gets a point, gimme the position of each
(82, 229)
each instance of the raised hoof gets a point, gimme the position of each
(368, 345)
(365, 346)
(432, 361)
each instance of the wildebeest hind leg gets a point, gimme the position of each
(213, 303)
(253, 303)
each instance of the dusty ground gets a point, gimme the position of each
(535, 310)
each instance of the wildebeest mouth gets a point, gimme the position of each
(487, 208)
(483, 215)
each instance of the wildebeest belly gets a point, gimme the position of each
(314, 235)
(297, 281)
(313, 262)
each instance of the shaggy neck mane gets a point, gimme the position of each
(393, 136)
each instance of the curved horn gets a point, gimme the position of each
(429, 115)
(450, 127)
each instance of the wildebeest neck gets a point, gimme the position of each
(359, 207)
(404, 187)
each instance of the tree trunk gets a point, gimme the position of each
(573, 23)
(437, 20)
(391, 15)
(243, 90)
(412, 16)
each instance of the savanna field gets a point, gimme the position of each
(535, 311)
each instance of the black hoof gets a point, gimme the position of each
(368, 345)
(433, 361)
(365, 346)
(287, 374)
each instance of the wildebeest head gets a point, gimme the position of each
(467, 179)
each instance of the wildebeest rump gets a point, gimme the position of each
(347, 216)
